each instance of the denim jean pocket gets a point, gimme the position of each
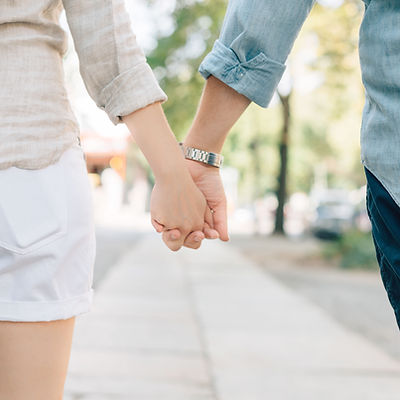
(33, 208)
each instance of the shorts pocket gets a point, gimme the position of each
(33, 207)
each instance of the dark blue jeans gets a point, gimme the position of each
(384, 214)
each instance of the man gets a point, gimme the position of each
(247, 63)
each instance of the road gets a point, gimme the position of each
(111, 244)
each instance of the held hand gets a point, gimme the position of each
(178, 208)
(208, 180)
(193, 240)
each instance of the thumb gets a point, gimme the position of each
(173, 239)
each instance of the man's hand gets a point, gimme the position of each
(208, 179)
(220, 107)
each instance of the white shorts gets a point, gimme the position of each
(47, 240)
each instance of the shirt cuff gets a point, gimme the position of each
(257, 78)
(130, 91)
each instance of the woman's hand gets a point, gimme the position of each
(179, 210)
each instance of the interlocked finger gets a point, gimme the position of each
(194, 239)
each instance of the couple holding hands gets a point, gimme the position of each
(47, 239)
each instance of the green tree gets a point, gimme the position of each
(336, 31)
(178, 56)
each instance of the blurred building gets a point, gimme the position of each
(103, 152)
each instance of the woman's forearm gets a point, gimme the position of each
(152, 133)
(220, 107)
(177, 206)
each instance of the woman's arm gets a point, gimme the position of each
(119, 80)
(177, 204)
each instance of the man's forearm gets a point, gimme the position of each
(245, 64)
(220, 107)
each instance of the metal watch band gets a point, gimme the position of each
(206, 157)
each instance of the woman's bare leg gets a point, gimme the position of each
(34, 359)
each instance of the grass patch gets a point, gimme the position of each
(354, 249)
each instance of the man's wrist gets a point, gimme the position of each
(199, 141)
(201, 155)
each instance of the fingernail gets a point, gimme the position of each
(174, 237)
(197, 239)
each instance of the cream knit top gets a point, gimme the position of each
(36, 121)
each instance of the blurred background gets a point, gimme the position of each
(292, 172)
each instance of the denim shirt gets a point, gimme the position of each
(256, 39)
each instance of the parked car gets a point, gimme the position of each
(334, 214)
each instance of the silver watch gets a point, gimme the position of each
(206, 157)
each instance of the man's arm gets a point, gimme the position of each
(247, 61)
(220, 107)
(245, 64)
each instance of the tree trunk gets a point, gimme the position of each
(283, 151)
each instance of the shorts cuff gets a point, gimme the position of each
(38, 311)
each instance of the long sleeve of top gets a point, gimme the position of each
(255, 41)
(112, 64)
(37, 123)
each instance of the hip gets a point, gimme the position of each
(39, 206)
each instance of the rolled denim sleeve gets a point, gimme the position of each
(255, 41)
(112, 65)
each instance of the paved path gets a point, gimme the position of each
(355, 297)
(210, 325)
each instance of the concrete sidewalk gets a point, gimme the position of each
(211, 325)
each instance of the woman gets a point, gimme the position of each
(47, 242)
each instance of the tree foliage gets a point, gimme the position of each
(178, 56)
